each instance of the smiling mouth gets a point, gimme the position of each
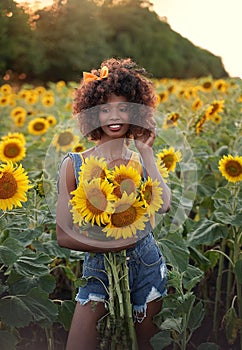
(115, 127)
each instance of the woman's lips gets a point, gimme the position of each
(115, 127)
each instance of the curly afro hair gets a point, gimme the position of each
(124, 79)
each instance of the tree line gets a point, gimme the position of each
(59, 42)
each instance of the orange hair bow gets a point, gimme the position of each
(90, 77)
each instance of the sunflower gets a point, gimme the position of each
(92, 201)
(6, 89)
(92, 168)
(162, 170)
(14, 184)
(23, 93)
(231, 168)
(171, 120)
(197, 104)
(125, 179)
(215, 108)
(169, 157)
(163, 96)
(220, 85)
(207, 86)
(60, 85)
(4, 100)
(18, 112)
(199, 124)
(38, 126)
(79, 147)
(51, 120)
(48, 100)
(65, 140)
(128, 217)
(40, 90)
(15, 135)
(151, 195)
(217, 119)
(19, 121)
(32, 98)
(12, 149)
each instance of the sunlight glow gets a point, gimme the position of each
(36, 4)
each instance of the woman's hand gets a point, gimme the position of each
(144, 139)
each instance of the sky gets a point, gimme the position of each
(214, 25)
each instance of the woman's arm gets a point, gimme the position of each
(144, 145)
(68, 235)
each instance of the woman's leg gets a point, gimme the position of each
(146, 329)
(83, 333)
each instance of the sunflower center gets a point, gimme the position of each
(11, 150)
(8, 185)
(98, 172)
(233, 168)
(147, 194)
(125, 185)
(65, 138)
(96, 201)
(168, 160)
(38, 126)
(125, 215)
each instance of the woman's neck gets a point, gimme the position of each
(113, 150)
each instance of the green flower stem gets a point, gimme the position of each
(127, 303)
(229, 280)
(50, 338)
(218, 289)
(237, 253)
(119, 328)
(112, 259)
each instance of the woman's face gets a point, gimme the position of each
(114, 116)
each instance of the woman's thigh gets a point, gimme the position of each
(146, 329)
(83, 333)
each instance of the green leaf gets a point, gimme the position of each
(161, 340)
(222, 193)
(225, 217)
(7, 256)
(20, 284)
(207, 233)
(185, 305)
(196, 316)
(14, 245)
(32, 264)
(51, 248)
(172, 323)
(44, 311)
(175, 251)
(191, 277)
(231, 325)
(66, 310)
(15, 312)
(80, 282)
(208, 346)
(200, 259)
(238, 270)
(8, 340)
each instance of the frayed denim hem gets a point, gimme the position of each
(139, 311)
(91, 297)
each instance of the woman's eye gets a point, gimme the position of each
(105, 110)
(123, 109)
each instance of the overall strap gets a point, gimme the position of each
(77, 162)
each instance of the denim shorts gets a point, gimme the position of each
(147, 276)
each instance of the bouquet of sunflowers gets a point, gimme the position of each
(119, 201)
(115, 204)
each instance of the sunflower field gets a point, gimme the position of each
(199, 152)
